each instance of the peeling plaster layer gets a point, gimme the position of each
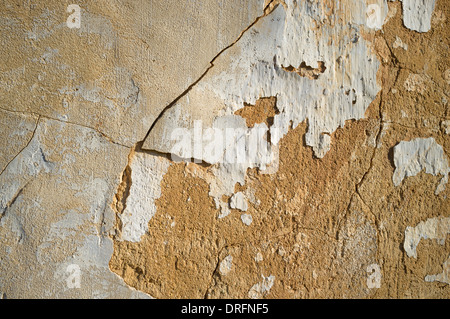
(255, 67)
(69, 97)
(147, 172)
(433, 228)
(410, 158)
(443, 277)
(417, 14)
(238, 201)
(121, 68)
(247, 219)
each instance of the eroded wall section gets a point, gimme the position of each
(229, 149)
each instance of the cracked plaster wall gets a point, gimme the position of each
(347, 102)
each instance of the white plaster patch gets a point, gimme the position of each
(247, 219)
(442, 277)
(417, 14)
(410, 158)
(376, 16)
(285, 40)
(433, 228)
(225, 178)
(225, 265)
(238, 201)
(147, 172)
(256, 66)
(261, 289)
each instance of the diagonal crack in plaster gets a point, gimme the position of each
(23, 148)
(12, 201)
(303, 71)
(122, 195)
(382, 123)
(109, 139)
(267, 10)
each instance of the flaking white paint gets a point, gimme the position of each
(433, 228)
(247, 219)
(444, 276)
(147, 172)
(238, 201)
(254, 67)
(411, 157)
(417, 14)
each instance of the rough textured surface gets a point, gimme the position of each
(126, 62)
(420, 154)
(54, 206)
(262, 64)
(433, 228)
(225, 149)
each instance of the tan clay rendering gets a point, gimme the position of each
(126, 167)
